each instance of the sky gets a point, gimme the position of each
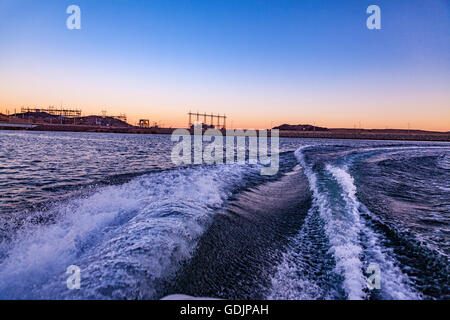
(260, 62)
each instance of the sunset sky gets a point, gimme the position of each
(263, 63)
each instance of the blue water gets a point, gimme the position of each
(140, 227)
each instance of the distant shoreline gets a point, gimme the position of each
(360, 134)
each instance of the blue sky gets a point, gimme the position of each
(258, 61)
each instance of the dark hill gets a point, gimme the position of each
(300, 127)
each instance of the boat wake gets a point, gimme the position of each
(316, 230)
(124, 238)
(335, 268)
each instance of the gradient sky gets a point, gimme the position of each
(262, 62)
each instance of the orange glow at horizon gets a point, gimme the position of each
(410, 106)
(379, 101)
(176, 117)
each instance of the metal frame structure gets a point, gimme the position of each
(68, 113)
(211, 116)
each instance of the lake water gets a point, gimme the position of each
(140, 227)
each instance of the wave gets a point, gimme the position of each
(444, 162)
(342, 233)
(395, 284)
(125, 238)
(300, 275)
(329, 256)
(133, 238)
(341, 242)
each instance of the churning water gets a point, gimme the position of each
(140, 227)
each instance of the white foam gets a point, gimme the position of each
(125, 237)
(395, 284)
(344, 228)
(291, 280)
(342, 231)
